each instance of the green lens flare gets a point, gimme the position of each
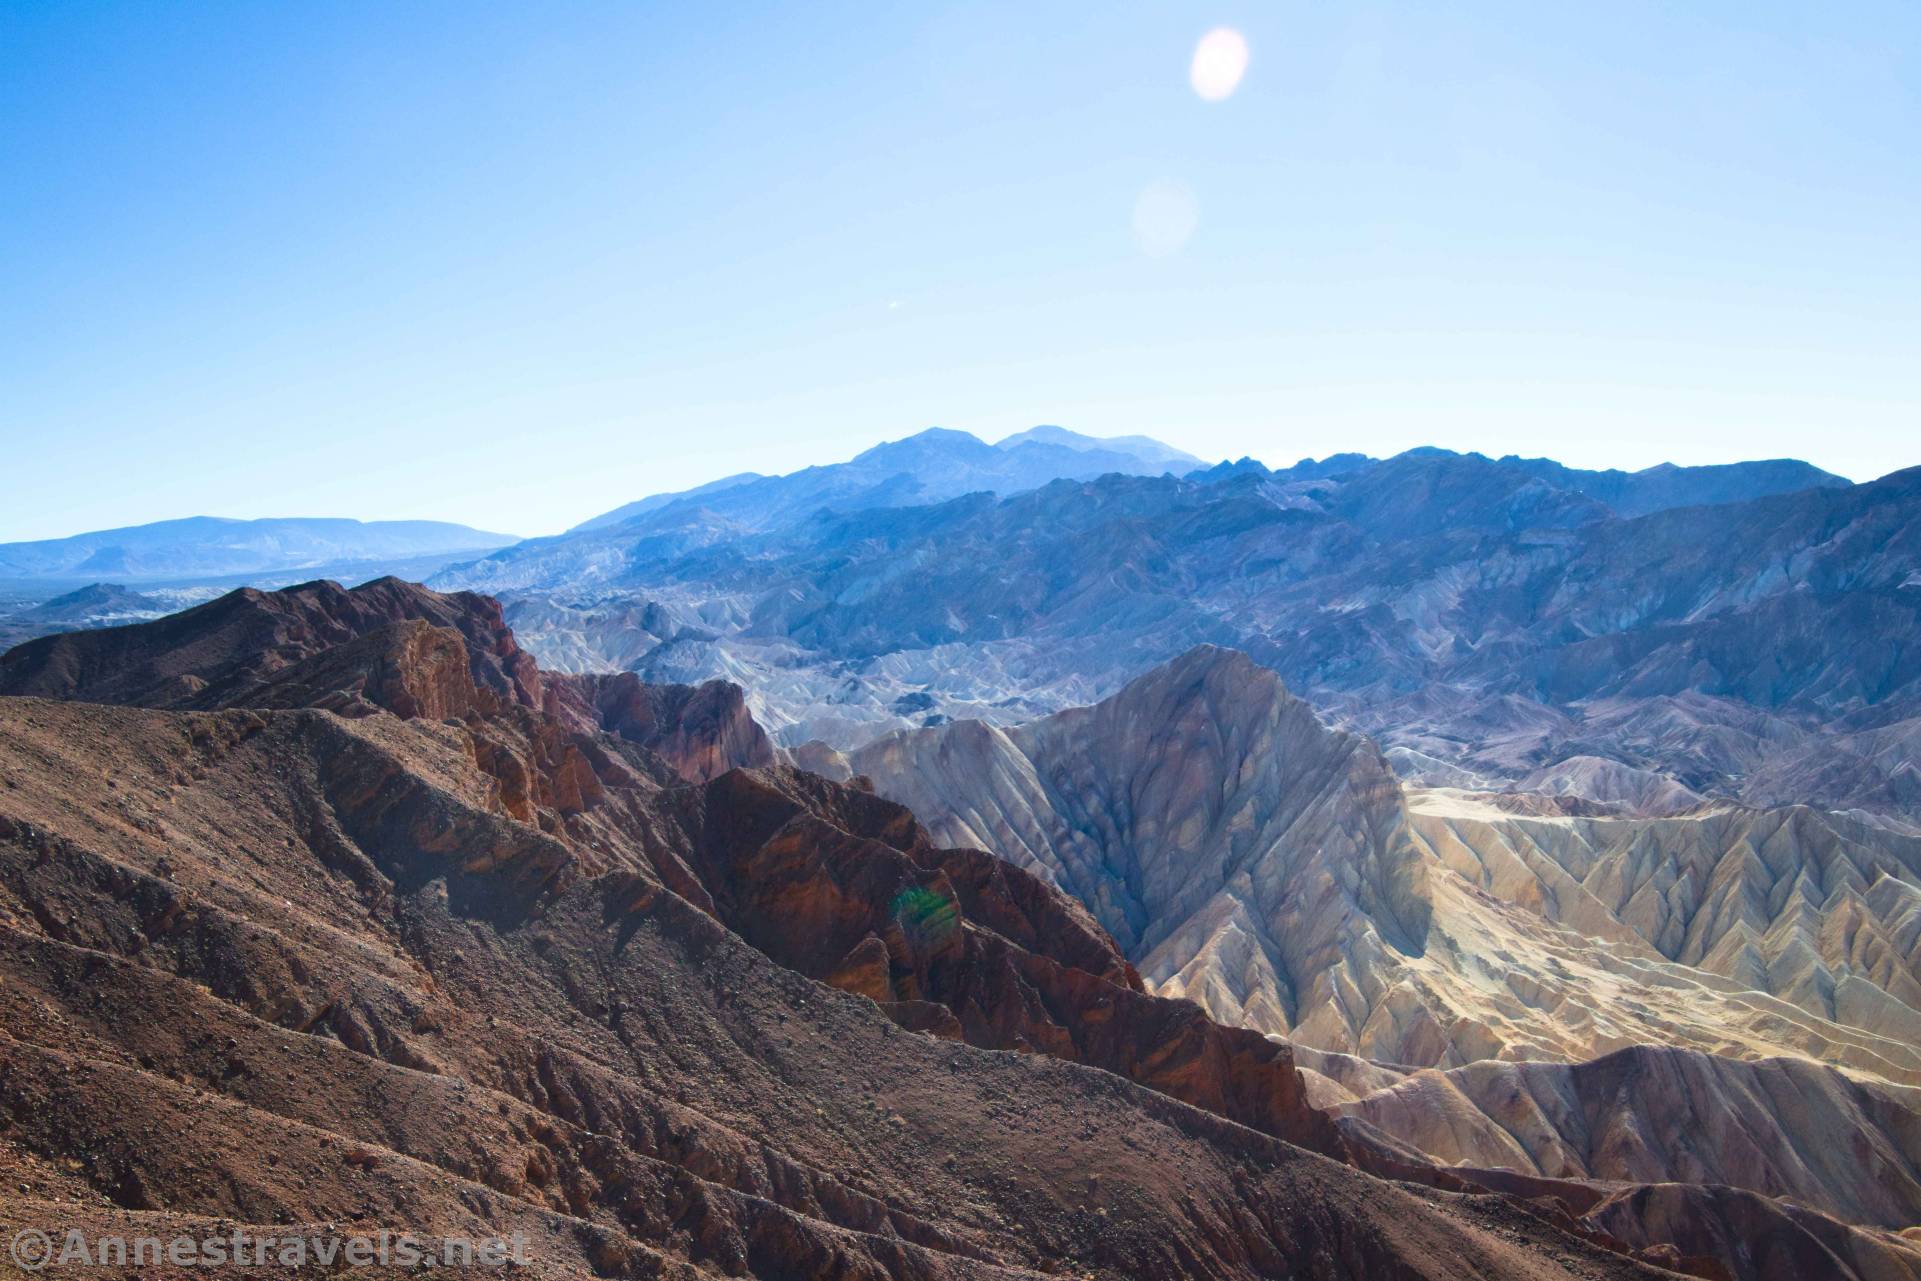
(925, 914)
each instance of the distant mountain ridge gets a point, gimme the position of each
(1145, 448)
(1663, 486)
(1477, 615)
(1729, 630)
(938, 465)
(1624, 493)
(929, 466)
(653, 502)
(210, 546)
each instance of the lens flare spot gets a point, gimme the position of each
(926, 916)
(1220, 60)
(1165, 215)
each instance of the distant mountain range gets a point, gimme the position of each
(211, 546)
(753, 512)
(1685, 632)
(1622, 493)
(1735, 631)
(641, 506)
(930, 467)
(1144, 448)
(935, 464)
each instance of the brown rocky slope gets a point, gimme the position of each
(447, 956)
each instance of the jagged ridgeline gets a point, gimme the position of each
(1735, 633)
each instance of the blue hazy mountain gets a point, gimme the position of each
(1417, 489)
(1494, 615)
(940, 464)
(211, 546)
(1145, 448)
(929, 467)
(641, 506)
(1624, 493)
(922, 468)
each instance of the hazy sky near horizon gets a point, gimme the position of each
(514, 265)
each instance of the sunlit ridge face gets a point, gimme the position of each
(1220, 60)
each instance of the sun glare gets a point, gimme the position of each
(1220, 60)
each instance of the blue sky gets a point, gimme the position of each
(514, 265)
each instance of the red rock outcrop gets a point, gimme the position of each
(701, 730)
(219, 654)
